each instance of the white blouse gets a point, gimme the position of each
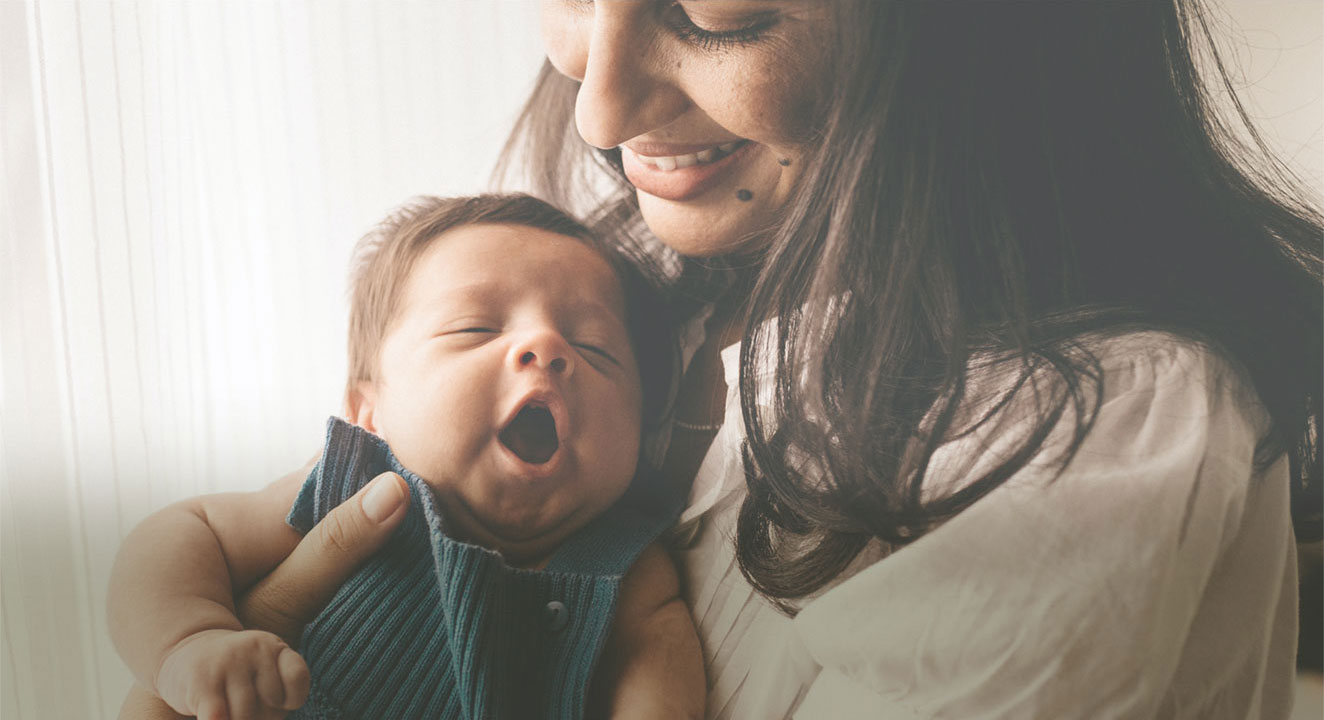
(1155, 578)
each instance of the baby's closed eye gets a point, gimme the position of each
(597, 350)
(468, 333)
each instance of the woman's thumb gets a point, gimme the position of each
(355, 529)
(383, 497)
(292, 595)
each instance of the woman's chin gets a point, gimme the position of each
(707, 227)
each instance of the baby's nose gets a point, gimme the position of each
(544, 349)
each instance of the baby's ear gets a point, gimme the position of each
(361, 404)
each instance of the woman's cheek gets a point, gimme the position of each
(794, 104)
(565, 39)
(788, 90)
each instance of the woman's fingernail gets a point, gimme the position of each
(382, 500)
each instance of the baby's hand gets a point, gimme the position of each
(233, 675)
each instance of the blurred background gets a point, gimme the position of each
(181, 186)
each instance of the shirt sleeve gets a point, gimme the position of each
(1067, 597)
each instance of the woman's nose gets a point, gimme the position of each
(626, 89)
(545, 350)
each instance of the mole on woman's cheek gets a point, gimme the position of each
(744, 195)
(784, 162)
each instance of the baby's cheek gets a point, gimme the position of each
(621, 447)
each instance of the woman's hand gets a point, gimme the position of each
(292, 594)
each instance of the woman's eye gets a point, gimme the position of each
(715, 40)
(476, 330)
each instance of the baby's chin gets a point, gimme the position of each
(525, 538)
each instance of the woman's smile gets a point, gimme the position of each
(680, 177)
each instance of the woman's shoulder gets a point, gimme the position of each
(1156, 403)
(1163, 394)
(1168, 365)
(1140, 392)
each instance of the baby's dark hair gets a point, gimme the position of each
(385, 256)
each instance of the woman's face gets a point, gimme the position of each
(711, 102)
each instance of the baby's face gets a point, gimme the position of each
(507, 381)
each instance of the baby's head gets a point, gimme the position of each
(491, 346)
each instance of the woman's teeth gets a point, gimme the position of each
(703, 157)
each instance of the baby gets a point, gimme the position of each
(497, 347)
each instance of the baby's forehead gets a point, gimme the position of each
(498, 292)
(487, 264)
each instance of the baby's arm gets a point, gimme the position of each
(171, 604)
(652, 666)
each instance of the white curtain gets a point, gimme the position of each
(181, 183)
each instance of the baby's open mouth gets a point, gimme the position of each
(531, 435)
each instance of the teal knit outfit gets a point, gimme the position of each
(432, 627)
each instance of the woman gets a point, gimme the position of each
(1028, 362)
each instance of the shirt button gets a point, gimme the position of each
(555, 615)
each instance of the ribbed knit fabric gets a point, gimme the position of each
(432, 627)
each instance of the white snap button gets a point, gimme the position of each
(556, 615)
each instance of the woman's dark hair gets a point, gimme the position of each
(997, 184)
